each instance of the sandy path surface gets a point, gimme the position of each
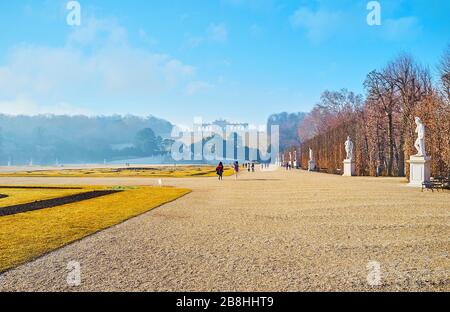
(269, 231)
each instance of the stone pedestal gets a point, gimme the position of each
(349, 168)
(419, 170)
(311, 165)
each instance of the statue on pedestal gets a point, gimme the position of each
(420, 142)
(349, 148)
(349, 162)
(419, 164)
(311, 162)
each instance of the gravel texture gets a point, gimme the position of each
(268, 231)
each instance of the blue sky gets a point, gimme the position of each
(236, 59)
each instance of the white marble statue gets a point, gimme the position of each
(311, 162)
(420, 142)
(419, 164)
(349, 148)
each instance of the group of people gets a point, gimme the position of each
(250, 167)
(221, 168)
(288, 166)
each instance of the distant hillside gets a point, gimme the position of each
(79, 139)
(49, 139)
(289, 124)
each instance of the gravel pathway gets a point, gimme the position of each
(269, 231)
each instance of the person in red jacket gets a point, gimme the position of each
(219, 171)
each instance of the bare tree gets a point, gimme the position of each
(383, 125)
(444, 72)
(382, 94)
(413, 84)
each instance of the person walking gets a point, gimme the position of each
(219, 171)
(236, 169)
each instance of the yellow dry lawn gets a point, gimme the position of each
(156, 172)
(19, 196)
(26, 236)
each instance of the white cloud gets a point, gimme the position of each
(25, 106)
(218, 32)
(197, 87)
(193, 42)
(96, 62)
(146, 38)
(214, 33)
(401, 28)
(96, 32)
(327, 21)
(318, 24)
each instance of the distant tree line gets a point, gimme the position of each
(381, 125)
(288, 125)
(47, 139)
